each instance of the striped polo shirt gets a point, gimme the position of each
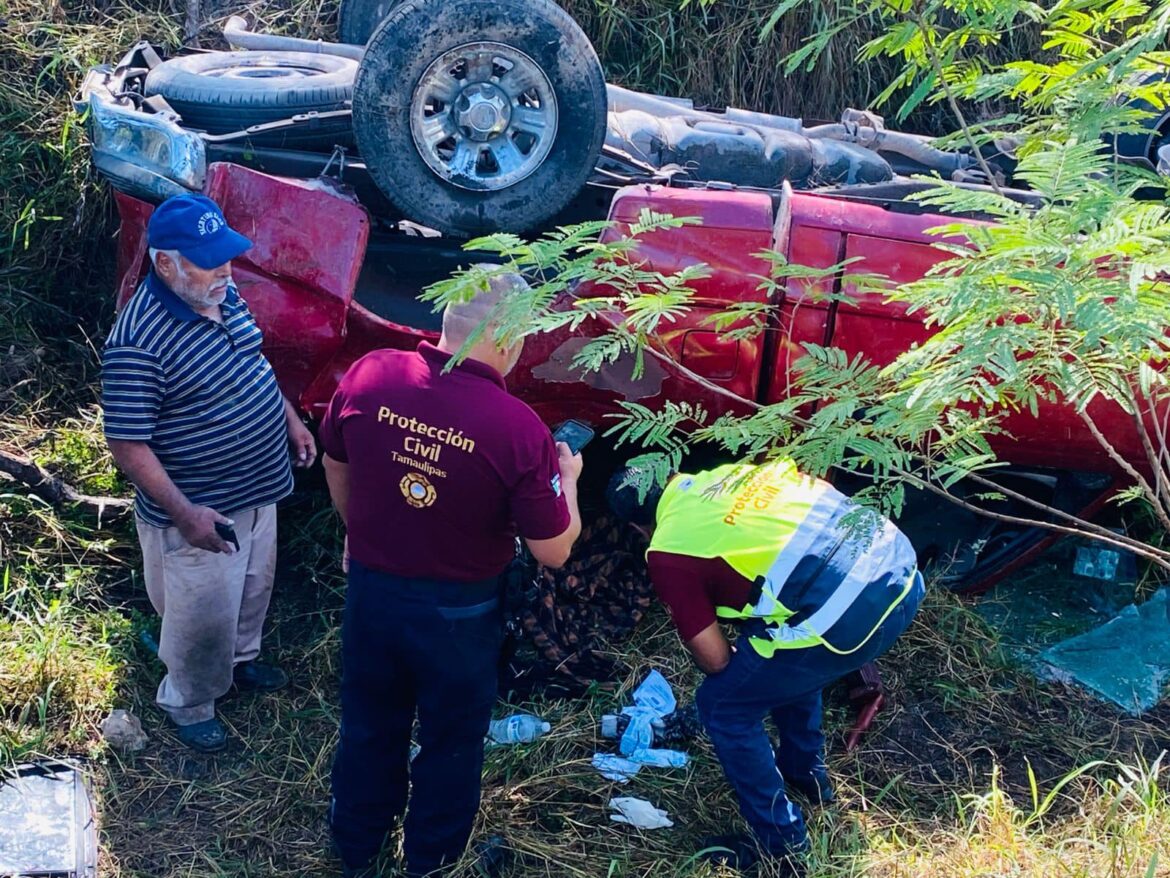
(202, 396)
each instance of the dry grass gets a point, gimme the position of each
(940, 788)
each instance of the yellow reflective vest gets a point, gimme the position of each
(824, 571)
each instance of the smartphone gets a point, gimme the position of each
(573, 433)
(227, 533)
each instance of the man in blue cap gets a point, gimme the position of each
(194, 417)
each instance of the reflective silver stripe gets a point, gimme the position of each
(792, 634)
(793, 552)
(914, 578)
(859, 577)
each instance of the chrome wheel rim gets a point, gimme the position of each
(483, 116)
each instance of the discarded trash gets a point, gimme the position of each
(520, 728)
(660, 758)
(123, 731)
(639, 733)
(1099, 561)
(47, 824)
(678, 727)
(653, 700)
(1126, 660)
(639, 813)
(655, 694)
(615, 767)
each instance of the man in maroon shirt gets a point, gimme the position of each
(817, 588)
(434, 473)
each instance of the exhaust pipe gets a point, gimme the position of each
(239, 37)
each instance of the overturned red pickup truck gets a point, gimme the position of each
(357, 168)
(327, 285)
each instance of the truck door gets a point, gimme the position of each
(735, 227)
(869, 324)
(298, 279)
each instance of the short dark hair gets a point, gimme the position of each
(622, 496)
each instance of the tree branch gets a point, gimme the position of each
(1162, 463)
(191, 26)
(1129, 468)
(55, 491)
(1154, 458)
(936, 66)
(1082, 526)
(1162, 559)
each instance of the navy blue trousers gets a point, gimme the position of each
(733, 704)
(410, 647)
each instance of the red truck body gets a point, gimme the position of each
(325, 294)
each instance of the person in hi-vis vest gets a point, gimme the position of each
(817, 587)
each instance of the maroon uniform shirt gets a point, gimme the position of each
(443, 468)
(692, 588)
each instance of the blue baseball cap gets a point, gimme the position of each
(194, 225)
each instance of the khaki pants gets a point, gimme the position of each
(212, 607)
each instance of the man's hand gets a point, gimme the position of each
(570, 464)
(301, 444)
(197, 525)
(345, 555)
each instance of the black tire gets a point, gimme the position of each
(402, 50)
(221, 92)
(1153, 130)
(358, 19)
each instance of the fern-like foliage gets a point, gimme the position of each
(1061, 303)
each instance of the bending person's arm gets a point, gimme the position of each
(710, 649)
(682, 586)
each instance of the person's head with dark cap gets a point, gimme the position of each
(192, 248)
(631, 505)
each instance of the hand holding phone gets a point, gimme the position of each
(227, 533)
(573, 433)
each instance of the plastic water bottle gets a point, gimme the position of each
(520, 728)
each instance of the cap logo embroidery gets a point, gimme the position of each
(209, 224)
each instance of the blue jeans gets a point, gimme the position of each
(733, 703)
(413, 646)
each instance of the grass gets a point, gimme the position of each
(975, 769)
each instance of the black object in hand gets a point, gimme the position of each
(574, 433)
(227, 533)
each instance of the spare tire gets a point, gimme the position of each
(221, 92)
(476, 116)
(358, 19)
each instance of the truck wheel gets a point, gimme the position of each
(220, 92)
(358, 19)
(475, 116)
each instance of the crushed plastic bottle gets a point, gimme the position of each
(520, 728)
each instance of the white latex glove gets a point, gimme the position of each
(639, 813)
